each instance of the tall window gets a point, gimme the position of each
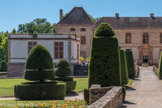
(83, 40)
(59, 50)
(145, 38)
(128, 38)
(31, 45)
(72, 29)
(83, 29)
(78, 51)
(160, 37)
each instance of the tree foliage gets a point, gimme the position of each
(38, 25)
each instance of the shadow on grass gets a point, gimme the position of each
(72, 93)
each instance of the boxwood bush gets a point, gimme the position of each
(39, 68)
(160, 67)
(45, 91)
(124, 69)
(130, 64)
(3, 66)
(104, 68)
(63, 73)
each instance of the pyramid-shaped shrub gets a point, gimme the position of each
(130, 64)
(3, 66)
(124, 69)
(104, 68)
(63, 73)
(160, 67)
(40, 69)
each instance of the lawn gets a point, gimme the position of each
(129, 83)
(43, 104)
(7, 85)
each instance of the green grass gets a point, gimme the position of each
(37, 104)
(129, 83)
(7, 85)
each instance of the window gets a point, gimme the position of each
(72, 29)
(128, 38)
(83, 29)
(160, 37)
(31, 45)
(145, 38)
(78, 51)
(59, 50)
(83, 40)
(83, 54)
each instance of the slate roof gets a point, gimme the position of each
(77, 16)
(133, 22)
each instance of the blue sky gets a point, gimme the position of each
(15, 12)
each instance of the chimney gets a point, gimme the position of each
(61, 14)
(152, 15)
(117, 15)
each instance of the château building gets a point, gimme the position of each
(143, 35)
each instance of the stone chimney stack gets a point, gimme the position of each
(61, 14)
(152, 15)
(117, 15)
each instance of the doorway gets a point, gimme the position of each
(145, 59)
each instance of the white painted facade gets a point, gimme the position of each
(18, 47)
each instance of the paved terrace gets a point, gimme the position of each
(146, 92)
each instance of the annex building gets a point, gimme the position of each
(143, 35)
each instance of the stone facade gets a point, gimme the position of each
(106, 97)
(143, 52)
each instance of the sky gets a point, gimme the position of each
(15, 12)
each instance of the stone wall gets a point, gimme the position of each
(106, 97)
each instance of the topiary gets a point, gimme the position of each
(124, 69)
(39, 64)
(104, 29)
(160, 67)
(130, 64)
(39, 68)
(63, 73)
(3, 66)
(104, 68)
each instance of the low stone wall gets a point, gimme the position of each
(156, 70)
(106, 97)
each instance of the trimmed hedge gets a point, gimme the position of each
(104, 68)
(130, 64)
(160, 67)
(40, 91)
(104, 29)
(124, 69)
(68, 78)
(70, 85)
(3, 66)
(86, 95)
(63, 63)
(63, 72)
(124, 93)
(39, 64)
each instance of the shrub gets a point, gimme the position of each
(160, 67)
(39, 64)
(104, 68)
(104, 29)
(124, 93)
(45, 91)
(3, 66)
(124, 69)
(86, 95)
(63, 73)
(130, 64)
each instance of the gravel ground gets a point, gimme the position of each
(146, 92)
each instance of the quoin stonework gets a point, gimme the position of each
(143, 35)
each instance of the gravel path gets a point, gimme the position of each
(146, 92)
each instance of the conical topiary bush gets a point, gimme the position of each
(63, 73)
(160, 67)
(124, 69)
(3, 66)
(104, 68)
(130, 64)
(39, 68)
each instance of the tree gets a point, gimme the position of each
(160, 67)
(13, 31)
